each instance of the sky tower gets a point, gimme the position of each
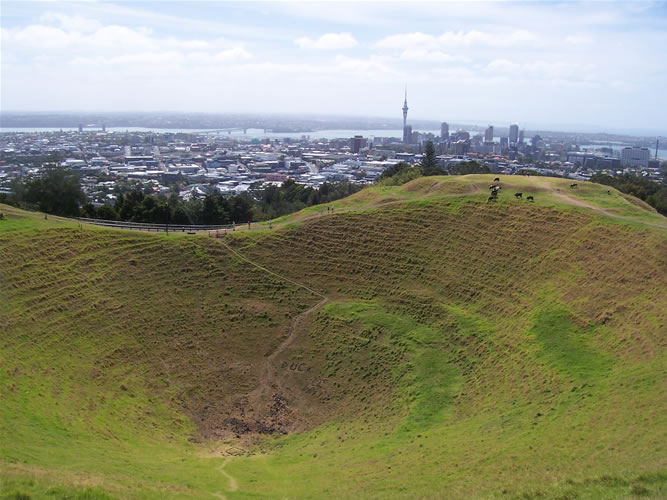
(405, 116)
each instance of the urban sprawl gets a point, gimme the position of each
(193, 164)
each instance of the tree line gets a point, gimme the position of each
(58, 191)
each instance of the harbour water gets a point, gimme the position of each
(249, 133)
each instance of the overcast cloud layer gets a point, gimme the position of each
(558, 63)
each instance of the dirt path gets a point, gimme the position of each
(233, 485)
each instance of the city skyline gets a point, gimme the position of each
(565, 65)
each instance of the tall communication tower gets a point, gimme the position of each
(405, 107)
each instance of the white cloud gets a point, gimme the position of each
(419, 40)
(547, 72)
(578, 39)
(233, 54)
(407, 41)
(79, 35)
(424, 55)
(172, 58)
(370, 67)
(42, 37)
(328, 41)
(70, 23)
(135, 58)
(340, 67)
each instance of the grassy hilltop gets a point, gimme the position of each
(419, 342)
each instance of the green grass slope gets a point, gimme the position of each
(465, 350)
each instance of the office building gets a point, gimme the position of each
(635, 157)
(488, 134)
(461, 147)
(357, 143)
(444, 130)
(514, 133)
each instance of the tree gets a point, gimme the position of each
(659, 200)
(126, 205)
(56, 191)
(106, 212)
(180, 216)
(240, 209)
(89, 211)
(429, 163)
(213, 210)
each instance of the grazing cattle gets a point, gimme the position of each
(497, 179)
(530, 198)
(492, 198)
(518, 195)
(573, 185)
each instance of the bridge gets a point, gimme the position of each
(228, 130)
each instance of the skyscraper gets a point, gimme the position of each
(444, 130)
(357, 143)
(406, 135)
(488, 134)
(514, 133)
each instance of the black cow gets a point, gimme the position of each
(497, 179)
(492, 198)
(530, 198)
(573, 185)
(518, 195)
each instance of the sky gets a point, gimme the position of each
(586, 65)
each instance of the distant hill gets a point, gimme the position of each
(176, 120)
(415, 342)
